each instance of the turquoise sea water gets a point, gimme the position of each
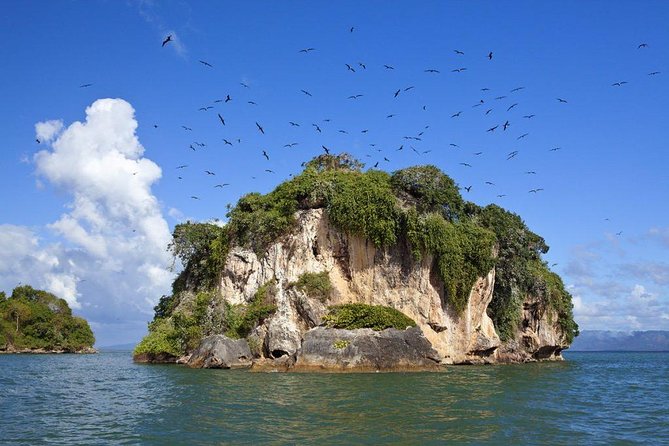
(592, 398)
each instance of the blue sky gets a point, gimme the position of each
(95, 231)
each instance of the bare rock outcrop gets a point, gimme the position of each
(366, 350)
(221, 352)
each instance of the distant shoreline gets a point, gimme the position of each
(39, 351)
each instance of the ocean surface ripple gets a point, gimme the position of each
(592, 398)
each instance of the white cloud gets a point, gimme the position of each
(111, 256)
(47, 130)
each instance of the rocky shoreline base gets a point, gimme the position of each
(42, 351)
(323, 350)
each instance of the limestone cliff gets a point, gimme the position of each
(359, 272)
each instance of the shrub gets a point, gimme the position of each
(363, 204)
(202, 249)
(340, 344)
(241, 319)
(462, 252)
(376, 317)
(316, 285)
(162, 338)
(432, 190)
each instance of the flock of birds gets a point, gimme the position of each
(504, 105)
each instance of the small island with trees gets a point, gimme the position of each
(36, 321)
(340, 268)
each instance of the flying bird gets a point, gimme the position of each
(243, 85)
(642, 45)
(458, 70)
(167, 40)
(265, 155)
(260, 128)
(561, 100)
(306, 92)
(227, 142)
(506, 125)
(490, 55)
(466, 164)
(409, 88)
(618, 84)
(186, 128)
(306, 50)
(468, 188)
(183, 166)
(209, 172)
(431, 70)
(512, 155)
(510, 107)
(522, 136)
(294, 124)
(388, 67)
(459, 52)
(228, 98)
(327, 151)
(318, 129)
(653, 73)
(194, 197)
(351, 30)
(362, 65)
(349, 68)
(456, 115)
(555, 149)
(534, 191)
(492, 129)
(221, 185)
(205, 108)
(221, 118)
(397, 93)
(85, 85)
(529, 116)
(269, 171)
(205, 63)
(517, 89)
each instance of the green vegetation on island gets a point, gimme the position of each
(419, 209)
(376, 317)
(33, 319)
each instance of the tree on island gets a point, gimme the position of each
(33, 319)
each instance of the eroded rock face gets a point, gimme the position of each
(366, 350)
(221, 352)
(361, 273)
(537, 339)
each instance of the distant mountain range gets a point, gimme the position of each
(117, 348)
(602, 340)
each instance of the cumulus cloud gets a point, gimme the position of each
(613, 291)
(47, 130)
(110, 257)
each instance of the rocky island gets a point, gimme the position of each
(35, 321)
(342, 269)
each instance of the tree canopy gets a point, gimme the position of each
(36, 319)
